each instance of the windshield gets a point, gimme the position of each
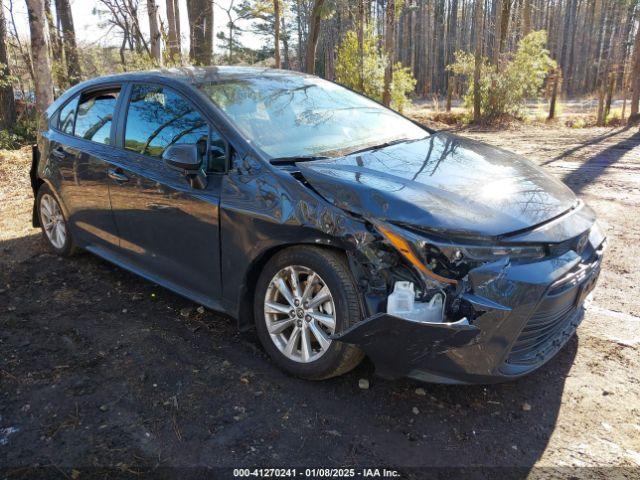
(296, 116)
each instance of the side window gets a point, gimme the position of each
(67, 116)
(159, 117)
(95, 115)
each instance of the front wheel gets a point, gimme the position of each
(303, 296)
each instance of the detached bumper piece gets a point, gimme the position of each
(525, 314)
(396, 345)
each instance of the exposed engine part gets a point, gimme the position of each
(401, 303)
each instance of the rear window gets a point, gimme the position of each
(67, 116)
(95, 115)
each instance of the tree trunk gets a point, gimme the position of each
(140, 42)
(360, 27)
(176, 11)
(230, 41)
(600, 117)
(526, 18)
(123, 60)
(276, 33)
(55, 46)
(625, 46)
(389, 40)
(173, 45)
(497, 33)
(478, 59)
(200, 14)
(609, 94)
(63, 10)
(7, 102)
(194, 13)
(567, 37)
(438, 46)
(413, 23)
(301, 65)
(285, 44)
(554, 94)
(40, 52)
(603, 76)
(208, 34)
(568, 82)
(154, 30)
(313, 36)
(635, 78)
(451, 49)
(594, 50)
(504, 24)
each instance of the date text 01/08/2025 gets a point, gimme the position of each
(315, 472)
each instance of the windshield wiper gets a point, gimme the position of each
(383, 145)
(296, 158)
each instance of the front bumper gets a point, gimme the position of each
(525, 314)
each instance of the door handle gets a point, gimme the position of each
(59, 153)
(117, 175)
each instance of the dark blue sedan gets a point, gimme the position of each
(333, 225)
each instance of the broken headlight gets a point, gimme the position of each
(446, 261)
(493, 253)
(412, 249)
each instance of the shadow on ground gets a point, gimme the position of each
(101, 368)
(591, 170)
(586, 144)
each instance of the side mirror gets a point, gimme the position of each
(185, 158)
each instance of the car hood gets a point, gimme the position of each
(442, 183)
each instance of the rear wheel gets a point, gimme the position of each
(303, 296)
(53, 223)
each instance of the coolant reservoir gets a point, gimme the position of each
(402, 299)
(401, 303)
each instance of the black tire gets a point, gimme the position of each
(332, 266)
(68, 248)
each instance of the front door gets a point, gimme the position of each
(168, 230)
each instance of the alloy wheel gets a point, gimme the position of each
(52, 221)
(299, 313)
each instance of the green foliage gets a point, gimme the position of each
(27, 129)
(6, 80)
(503, 89)
(97, 61)
(348, 65)
(23, 133)
(403, 84)
(136, 61)
(9, 140)
(59, 72)
(372, 65)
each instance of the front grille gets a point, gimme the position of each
(556, 318)
(544, 329)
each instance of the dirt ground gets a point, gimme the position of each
(99, 368)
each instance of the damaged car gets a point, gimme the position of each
(333, 225)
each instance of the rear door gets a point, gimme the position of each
(81, 148)
(168, 230)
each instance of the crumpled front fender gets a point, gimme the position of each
(504, 297)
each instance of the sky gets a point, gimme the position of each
(88, 31)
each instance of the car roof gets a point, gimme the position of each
(195, 75)
(185, 75)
